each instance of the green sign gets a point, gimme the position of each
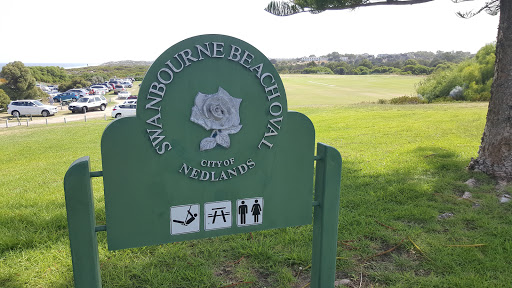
(212, 151)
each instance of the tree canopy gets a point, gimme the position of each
(20, 82)
(286, 8)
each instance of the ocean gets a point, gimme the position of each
(63, 65)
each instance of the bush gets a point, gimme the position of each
(407, 100)
(4, 100)
(361, 70)
(317, 70)
(469, 80)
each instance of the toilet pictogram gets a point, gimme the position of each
(251, 206)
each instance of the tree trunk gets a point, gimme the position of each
(495, 153)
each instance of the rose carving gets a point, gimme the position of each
(219, 112)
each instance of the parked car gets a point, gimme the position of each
(53, 93)
(88, 103)
(80, 92)
(127, 84)
(119, 88)
(132, 97)
(130, 101)
(99, 89)
(124, 110)
(66, 96)
(107, 86)
(123, 94)
(30, 107)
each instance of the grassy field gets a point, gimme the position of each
(328, 90)
(403, 167)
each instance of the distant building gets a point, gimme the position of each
(313, 59)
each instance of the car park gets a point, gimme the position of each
(124, 110)
(30, 107)
(66, 96)
(88, 103)
(123, 94)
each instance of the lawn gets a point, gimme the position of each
(403, 167)
(328, 90)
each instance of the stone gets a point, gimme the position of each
(505, 198)
(344, 282)
(445, 216)
(471, 183)
(467, 195)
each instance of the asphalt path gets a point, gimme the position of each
(61, 117)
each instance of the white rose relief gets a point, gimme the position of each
(218, 112)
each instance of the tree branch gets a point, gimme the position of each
(282, 8)
(492, 8)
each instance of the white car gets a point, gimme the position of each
(123, 94)
(99, 89)
(124, 110)
(30, 107)
(88, 103)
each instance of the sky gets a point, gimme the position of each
(98, 31)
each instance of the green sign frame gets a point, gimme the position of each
(212, 151)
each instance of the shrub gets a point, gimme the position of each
(4, 100)
(407, 100)
(317, 70)
(468, 80)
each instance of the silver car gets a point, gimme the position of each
(124, 110)
(30, 107)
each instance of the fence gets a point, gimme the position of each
(20, 121)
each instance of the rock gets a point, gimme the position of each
(445, 216)
(344, 282)
(467, 195)
(505, 198)
(471, 183)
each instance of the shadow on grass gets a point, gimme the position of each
(386, 211)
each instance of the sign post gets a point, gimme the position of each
(213, 151)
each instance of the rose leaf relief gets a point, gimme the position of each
(219, 112)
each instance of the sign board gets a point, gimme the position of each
(212, 151)
(212, 131)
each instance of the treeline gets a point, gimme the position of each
(111, 71)
(414, 63)
(85, 76)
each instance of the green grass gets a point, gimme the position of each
(327, 90)
(403, 166)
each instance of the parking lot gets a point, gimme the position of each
(63, 115)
